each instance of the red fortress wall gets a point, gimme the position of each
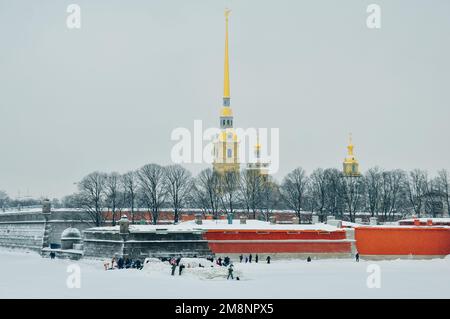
(277, 241)
(403, 240)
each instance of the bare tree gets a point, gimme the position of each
(353, 190)
(130, 187)
(70, 201)
(318, 191)
(4, 200)
(178, 185)
(443, 182)
(251, 186)
(416, 186)
(334, 190)
(293, 189)
(373, 182)
(112, 193)
(270, 197)
(206, 191)
(92, 196)
(229, 190)
(392, 188)
(151, 179)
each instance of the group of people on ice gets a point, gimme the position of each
(123, 263)
(248, 259)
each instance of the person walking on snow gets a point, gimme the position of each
(357, 257)
(180, 269)
(173, 263)
(240, 258)
(250, 258)
(268, 259)
(256, 258)
(230, 272)
(174, 267)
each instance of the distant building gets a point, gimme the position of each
(351, 165)
(259, 165)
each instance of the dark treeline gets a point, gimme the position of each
(7, 202)
(389, 194)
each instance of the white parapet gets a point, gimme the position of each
(314, 219)
(335, 222)
(373, 221)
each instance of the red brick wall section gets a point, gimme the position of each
(419, 240)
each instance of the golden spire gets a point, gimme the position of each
(350, 145)
(226, 80)
(257, 147)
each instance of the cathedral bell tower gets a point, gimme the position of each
(351, 165)
(259, 166)
(226, 145)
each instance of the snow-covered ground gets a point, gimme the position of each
(27, 275)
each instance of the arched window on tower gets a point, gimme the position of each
(229, 153)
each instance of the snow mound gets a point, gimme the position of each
(211, 272)
(155, 265)
(196, 262)
(196, 267)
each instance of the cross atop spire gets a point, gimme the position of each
(350, 145)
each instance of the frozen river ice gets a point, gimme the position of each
(27, 275)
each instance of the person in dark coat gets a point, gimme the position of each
(230, 272)
(181, 269)
(268, 259)
(174, 267)
(120, 263)
(128, 263)
(178, 261)
(137, 264)
(52, 255)
(250, 258)
(357, 257)
(246, 259)
(308, 259)
(240, 258)
(219, 261)
(256, 258)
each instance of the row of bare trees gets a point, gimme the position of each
(382, 193)
(150, 187)
(224, 193)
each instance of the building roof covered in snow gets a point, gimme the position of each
(222, 225)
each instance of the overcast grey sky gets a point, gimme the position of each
(106, 97)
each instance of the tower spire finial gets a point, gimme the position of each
(226, 80)
(350, 145)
